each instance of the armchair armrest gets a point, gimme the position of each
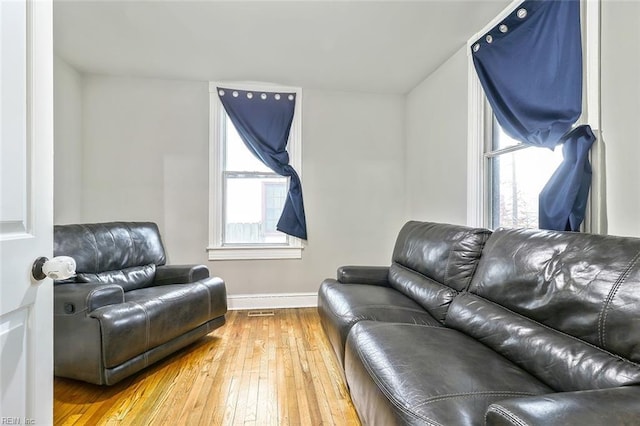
(615, 406)
(180, 274)
(372, 275)
(70, 299)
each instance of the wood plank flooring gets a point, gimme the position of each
(266, 370)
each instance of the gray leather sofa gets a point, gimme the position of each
(126, 309)
(468, 327)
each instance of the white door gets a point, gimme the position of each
(26, 211)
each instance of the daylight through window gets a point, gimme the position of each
(516, 173)
(253, 194)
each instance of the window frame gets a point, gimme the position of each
(217, 250)
(480, 126)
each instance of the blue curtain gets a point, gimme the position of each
(571, 181)
(530, 67)
(263, 120)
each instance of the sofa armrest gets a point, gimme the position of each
(372, 275)
(180, 274)
(615, 406)
(70, 299)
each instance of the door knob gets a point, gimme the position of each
(58, 268)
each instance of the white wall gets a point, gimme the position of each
(145, 156)
(67, 143)
(620, 75)
(436, 144)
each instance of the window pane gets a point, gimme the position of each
(500, 138)
(274, 197)
(516, 181)
(253, 208)
(238, 158)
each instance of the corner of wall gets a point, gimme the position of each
(68, 141)
(435, 172)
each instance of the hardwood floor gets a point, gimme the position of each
(266, 370)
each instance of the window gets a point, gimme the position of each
(246, 197)
(515, 174)
(504, 176)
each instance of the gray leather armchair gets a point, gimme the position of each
(126, 309)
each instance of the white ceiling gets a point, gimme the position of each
(370, 46)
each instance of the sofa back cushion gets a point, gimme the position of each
(568, 300)
(113, 246)
(128, 278)
(434, 261)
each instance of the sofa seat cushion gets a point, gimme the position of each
(155, 315)
(342, 305)
(415, 374)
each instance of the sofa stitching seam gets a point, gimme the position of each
(113, 238)
(395, 308)
(380, 324)
(88, 298)
(508, 414)
(96, 290)
(134, 248)
(440, 398)
(147, 332)
(446, 271)
(95, 246)
(612, 294)
(357, 319)
(208, 297)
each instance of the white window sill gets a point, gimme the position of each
(254, 253)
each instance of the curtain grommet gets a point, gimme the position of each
(277, 96)
(521, 13)
(263, 96)
(221, 92)
(290, 97)
(235, 94)
(476, 47)
(489, 38)
(249, 95)
(503, 28)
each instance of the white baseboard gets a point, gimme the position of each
(272, 301)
